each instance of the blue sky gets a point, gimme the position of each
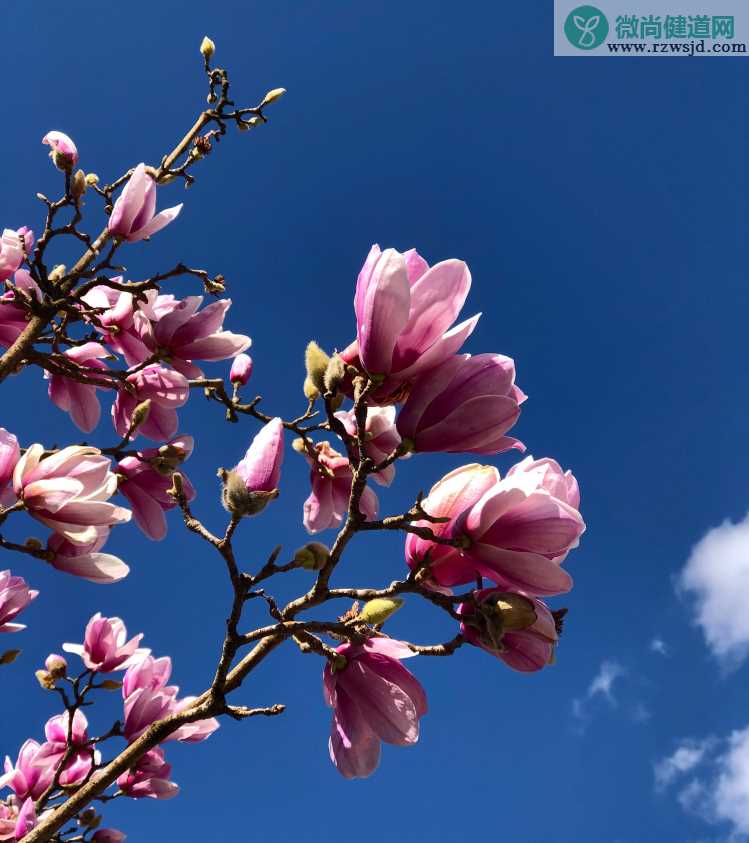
(601, 207)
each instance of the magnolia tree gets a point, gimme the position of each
(484, 550)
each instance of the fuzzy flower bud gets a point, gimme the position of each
(334, 373)
(377, 611)
(56, 665)
(207, 48)
(254, 482)
(272, 96)
(312, 556)
(63, 151)
(78, 184)
(316, 362)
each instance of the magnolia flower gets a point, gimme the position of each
(515, 531)
(67, 491)
(85, 561)
(26, 819)
(13, 316)
(15, 596)
(25, 778)
(79, 399)
(516, 628)
(52, 752)
(10, 453)
(11, 252)
(144, 480)
(166, 390)
(241, 369)
(404, 311)
(328, 501)
(255, 480)
(105, 647)
(466, 404)
(144, 707)
(150, 673)
(133, 213)
(119, 321)
(381, 437)
(149, 778)
(62, 150)
(374, 698)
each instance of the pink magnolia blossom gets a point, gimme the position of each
(11, 252)
(133, 213)
(466, 404)
(13, 316)
(167, 391)
(10, 453)
(15, 596)
(27, 235)
(25, 778)
(62, 150)
(150, 673)
(85, 561)
(79, 399)
(120, 322)
(241, 369)
(260, 468)
(404, 311)
(149, 778)
(516, 532)
(144, 481)
(196, 731)
(328, 501)
(108, 835)
(68, 491)
(144, 707)
(51, 752)
(381, 436)
(26, 819)
(105, 647)
(374, 698)
(515, 627)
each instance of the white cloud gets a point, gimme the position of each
(721, 793)
(686, 757)
(717, 576)
(658, 645)
(603, 681)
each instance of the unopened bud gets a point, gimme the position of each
(272, 96)
(56, 666)
(140, 414)
(92, 179)
(78, 184)
(9, 656)
(45, 680)
(88, 818)
(312, 556)
(377, 611)
(207, 48)
(238, 500)
(311, 392)
(334, 373)
(316, 362)
(298, 445)
(57, 272)
(517, 611)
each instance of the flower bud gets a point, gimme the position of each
(57, 272)
(140, 414)
(78, 184)
(45, 680)
(272, 96)
(516, 611)
(241, 369)
(311, 392)
(92, 179)
(298, 445)
(9, 656)
(207, 48)
(316, 362)
(88, 818)
(62, 150)
(377, 611)
(238, 500)
(313, 556)
(56, 666)
(334, 373)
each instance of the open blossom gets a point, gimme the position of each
(166, 389)
(150, 673)
(79, 399)
(144, 707)
(11, 253)
(51, 752)
(133, 214)
(25, 778)
(330, 478)
(85, 561)
(10, 453)
(15, 596)
(62, 150)
(381, 436)
(13, 316)
(149, 778)
(404, 312)
(145, 479)
(466, 405)
(241, 369)
(68, 491)
(516, 628)
(515, 531)
(105, 647)
(120, 321)
(374, 698)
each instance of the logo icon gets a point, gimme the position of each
(586, 27)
